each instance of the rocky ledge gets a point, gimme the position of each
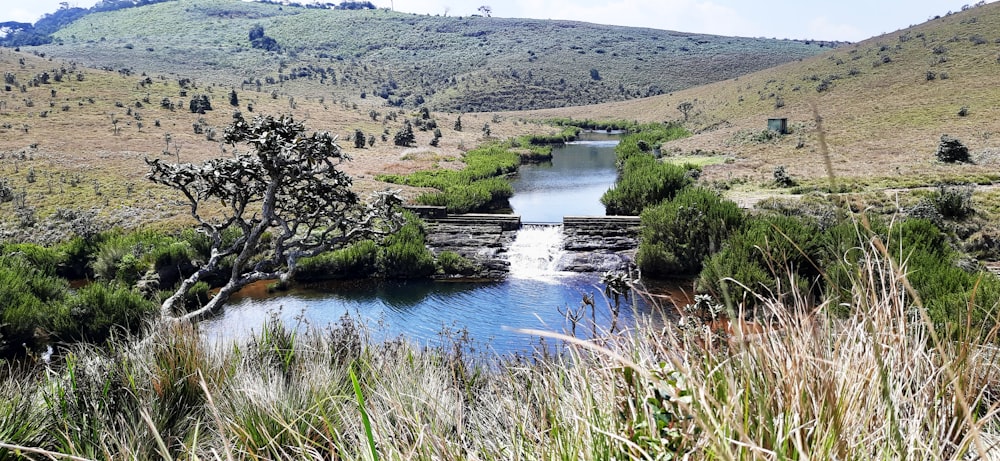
(599, 243)
(484, 244)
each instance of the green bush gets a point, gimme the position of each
(766, 256)
(643, 138)
(452, 263)
(949, 293)
(404, 254)
(76, 257)
(126, 256)
(644, 181)
(197, 295)
(28, 298)
(679, 234)
(773, 251)
(355, 261)
(477, 187)
(46, 260)
(100, 308)
(477, 196)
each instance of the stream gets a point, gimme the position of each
(534, 296)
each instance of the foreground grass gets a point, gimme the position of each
(876, 384)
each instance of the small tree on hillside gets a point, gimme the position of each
(951, 150)
(486, 10)
(404, 137)
(284, 200)
(359, 139)
(685, 108)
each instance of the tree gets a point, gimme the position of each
(951, 150)
(685, 108)
(359, 139)
(404, 137)
(234, 99)
(283, 200)
(261, 41)
(486, 10)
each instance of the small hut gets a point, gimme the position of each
(778, 125)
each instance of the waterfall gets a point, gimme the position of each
(536, 251)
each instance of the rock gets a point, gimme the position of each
(482, 244)
(597, 261)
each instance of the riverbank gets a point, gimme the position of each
(660, 390)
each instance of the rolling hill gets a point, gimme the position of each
(884, 102)
(73, 136)
(459, 64)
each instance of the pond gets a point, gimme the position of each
(535, 296)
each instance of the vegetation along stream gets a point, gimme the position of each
(536, 295)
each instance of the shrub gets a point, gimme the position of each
(404, 254)
(126, 257)
(197, 295)
(951, 150)
(452, 263)
(28, 296)
(355, 261)
(766, 256)
(359, 139)
(46, 260)
(477, 196)
(949, 293)
(679, 234)
(474, 188)
(644, 181)
(782, 178)
(404, 137)
(100, 308)
(953, 201)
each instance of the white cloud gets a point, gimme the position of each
(681, 15)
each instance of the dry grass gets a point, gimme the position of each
(70, 151)
(882, 123)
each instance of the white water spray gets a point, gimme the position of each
(535, 252)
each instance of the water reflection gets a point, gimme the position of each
(570, 185)
(420, 310)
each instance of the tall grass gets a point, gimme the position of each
(880, 383)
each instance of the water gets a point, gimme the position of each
(535, 296)
(535, 252)
(421, 310)
(571, 185)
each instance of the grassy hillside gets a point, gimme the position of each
(73, 138)
(884, 102)
(448, 63)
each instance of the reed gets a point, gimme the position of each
(812, 383)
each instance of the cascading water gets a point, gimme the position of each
(536, 251)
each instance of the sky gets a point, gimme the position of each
(843, 20)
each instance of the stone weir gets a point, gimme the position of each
(480, 238)
(599, 243)
(591, 243)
